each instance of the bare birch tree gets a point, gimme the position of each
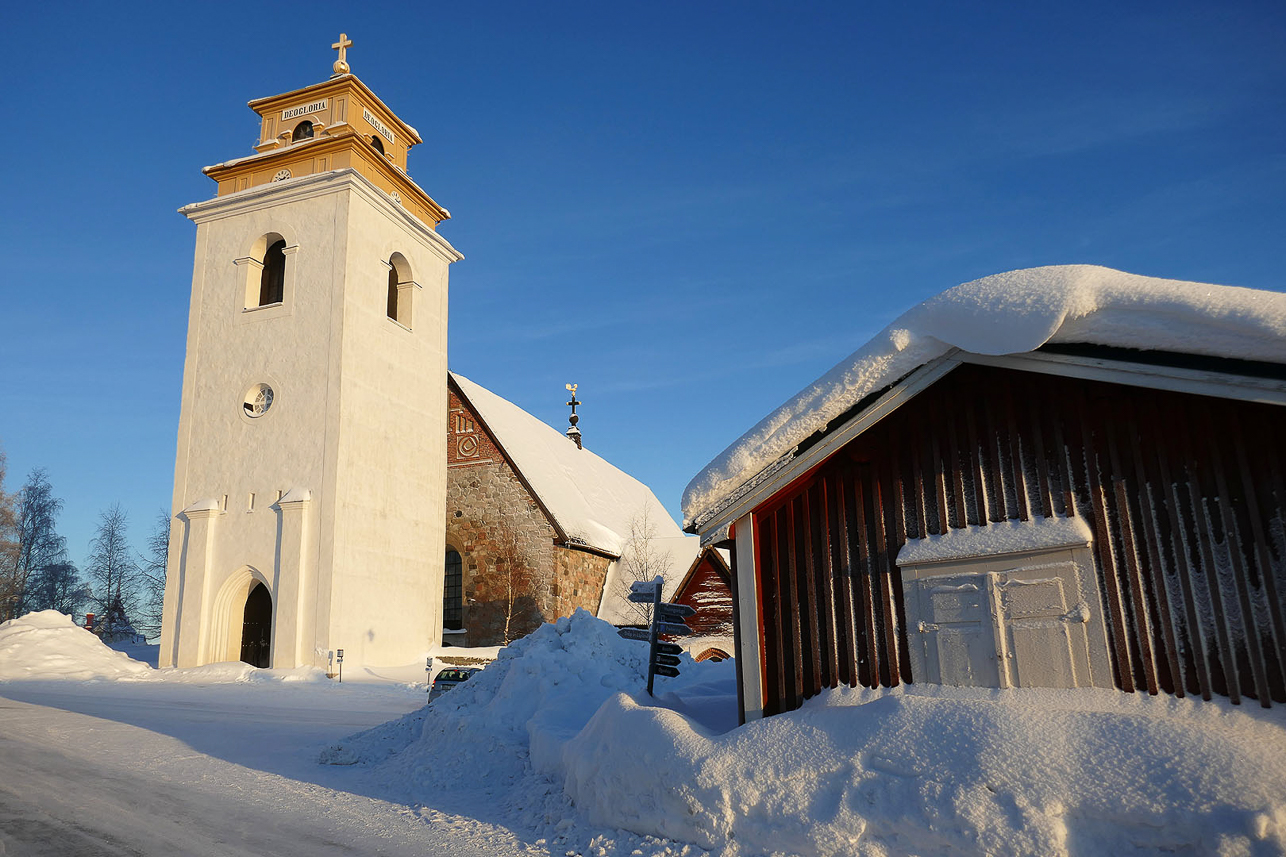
(641, 561)
(58, 586)
(515, 581)
(10, 586)
(113, 574)
(41, 551)
(152, 576)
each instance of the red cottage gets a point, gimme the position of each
(1058, 477)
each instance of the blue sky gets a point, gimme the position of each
(691, 210)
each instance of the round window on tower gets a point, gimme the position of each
(258, 400)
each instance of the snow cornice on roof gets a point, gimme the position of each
(1002, 317)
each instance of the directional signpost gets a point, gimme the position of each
(663, 658)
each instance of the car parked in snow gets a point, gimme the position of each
(449, 678)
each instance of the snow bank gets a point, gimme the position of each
(238, 671)
(944, 771)
(48, 644)
(536, 696)
(1009, 313)
(564, 743)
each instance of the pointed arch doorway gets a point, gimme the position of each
(256, 628)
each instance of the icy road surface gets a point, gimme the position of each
(107, 768)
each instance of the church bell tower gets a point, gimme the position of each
(309, 480)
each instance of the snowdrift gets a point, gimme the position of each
(48, 644)
(945, 771)
(561, 718)
(538, 694)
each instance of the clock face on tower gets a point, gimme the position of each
(258, 400)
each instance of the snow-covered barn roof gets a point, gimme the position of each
(1005, 314)
(589, 500)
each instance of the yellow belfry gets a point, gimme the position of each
(333, 125)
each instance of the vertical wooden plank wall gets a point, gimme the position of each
(1184, 494)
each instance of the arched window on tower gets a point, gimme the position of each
(379, 146)
(272, 280)
(392, 293)
(453, 593)
(267, 281)
(303, 131)
(401, 290)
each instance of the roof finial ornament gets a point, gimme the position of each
(572, 431)
(341, 64)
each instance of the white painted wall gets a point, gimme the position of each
(357, 423)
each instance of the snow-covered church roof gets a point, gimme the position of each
(1010, 313)
(590, 501)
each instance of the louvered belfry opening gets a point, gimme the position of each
(1184, 495)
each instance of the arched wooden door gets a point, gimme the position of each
(256, 628)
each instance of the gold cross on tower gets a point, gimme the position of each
(344, 43)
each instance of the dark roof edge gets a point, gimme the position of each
(1173, 359)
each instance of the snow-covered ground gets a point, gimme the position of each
(554, 749)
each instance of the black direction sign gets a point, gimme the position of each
(663, 658)
(675, 612)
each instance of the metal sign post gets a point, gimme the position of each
(339, 656)
(663, 658)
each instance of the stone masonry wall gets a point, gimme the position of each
(579, 580)
(495, 524)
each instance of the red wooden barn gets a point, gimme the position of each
(1062, 477)
(707, 589)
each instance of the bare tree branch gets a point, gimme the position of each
(152, 576)
(11, 588)
(114, 575)
(641, 561)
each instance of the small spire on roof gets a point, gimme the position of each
(341, 64)
(572, 431)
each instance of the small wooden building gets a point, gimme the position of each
(707, 589)
(1071, 512)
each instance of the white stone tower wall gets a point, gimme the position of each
(357, 423)
(386, 592)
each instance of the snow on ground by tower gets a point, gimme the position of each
(1009, 313)
(49, 645)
